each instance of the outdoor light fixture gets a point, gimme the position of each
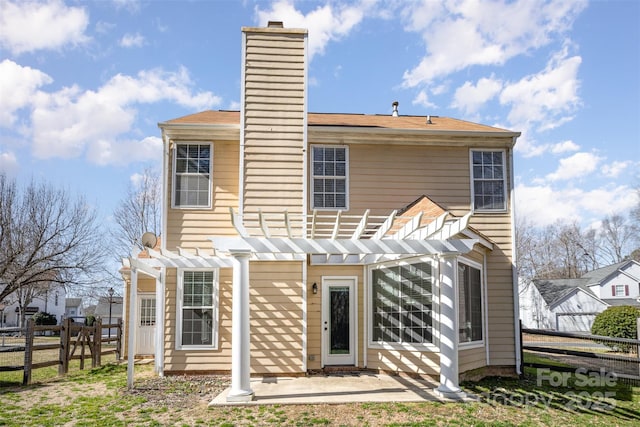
(314, 288)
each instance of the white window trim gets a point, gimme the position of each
(504, 180)
(312, 176)
(620, 294)
(479, 343)
(435, 312)
(173, 175)
(216, 309)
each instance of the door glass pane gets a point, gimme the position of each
(339, 337)
(147, 311)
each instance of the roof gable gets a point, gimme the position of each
(599, 275)
(554, 290)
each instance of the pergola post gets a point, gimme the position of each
(449, 387)
(160, 321)
(131, 320)
(240, 352)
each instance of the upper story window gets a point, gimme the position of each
(330, 172)
(488, 174)
(620, 290)
(192, 175)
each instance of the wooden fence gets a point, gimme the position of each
(595, 353)
(74, 342)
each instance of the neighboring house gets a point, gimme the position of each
(571, 305)
(110, 311)
(51, 302)
(73, 307)
(296, 241)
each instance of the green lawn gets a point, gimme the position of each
(99, 398)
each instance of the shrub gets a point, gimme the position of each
(90, 320)
(42, 318)
(617, 322)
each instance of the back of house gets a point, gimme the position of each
(369, 241)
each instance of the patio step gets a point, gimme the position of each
(344, 371)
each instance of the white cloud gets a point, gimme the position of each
(470, 98)
(564, 147)
(18, 85)
(543, 205)
(27, 26)
(576, 166)
(460, 34)
(423, 99)
(614, 169)
(67, 122)
(122, 152)
(546, 99)
(325, 23)
(8, 163)
(132, 40)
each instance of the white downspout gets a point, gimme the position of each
(514, 257)
(243, 102)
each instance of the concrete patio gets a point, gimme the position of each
(337, 388)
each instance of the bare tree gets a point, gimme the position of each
(47, 239)
(139, 212)
(616, 236)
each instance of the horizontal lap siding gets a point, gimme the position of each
(276, 317)
(472, 358)
(190, 228)
(274, 118)
(384, 178)
(415, 362)
(500, 330)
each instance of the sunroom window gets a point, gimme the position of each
(402, 303)
(469, 303)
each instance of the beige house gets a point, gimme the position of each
(294, 241)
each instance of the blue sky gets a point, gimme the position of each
(84, 84)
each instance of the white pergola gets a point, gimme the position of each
(342, 240)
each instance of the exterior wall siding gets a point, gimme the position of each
(274, 120)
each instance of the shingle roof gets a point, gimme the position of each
(597, 276)
(622, 301)
(556, 289)
(351, 120)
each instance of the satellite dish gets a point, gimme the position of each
(149, 240)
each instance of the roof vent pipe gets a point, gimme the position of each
(429, 122)
(395, 104)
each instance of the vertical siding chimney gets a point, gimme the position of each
(273, 119)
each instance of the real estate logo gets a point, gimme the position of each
(589, 390)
